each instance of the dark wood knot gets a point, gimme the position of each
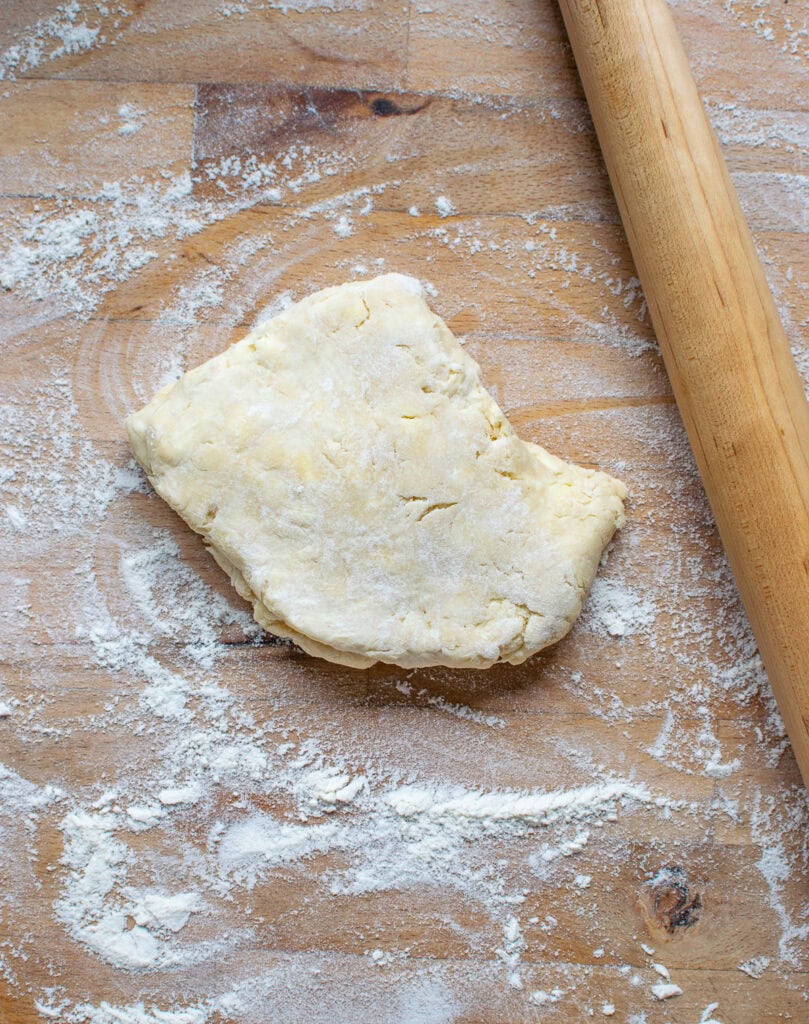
(670, 902)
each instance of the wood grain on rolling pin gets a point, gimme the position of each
(724, 348)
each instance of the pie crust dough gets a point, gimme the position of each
(363, 491)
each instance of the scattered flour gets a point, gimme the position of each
(543, 998)
(69, 255)
(132, 119)
(235, 784)
(343, 227)
(755, 967)
(617, 610)
(444, 207)
(511, 950)
(251, 849)
(65, 32)
(325, 789)
(97, 862)
(458, 710)
(665, 990)
(537, 808)
(134, 1013)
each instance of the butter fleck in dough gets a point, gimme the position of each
(363, 491)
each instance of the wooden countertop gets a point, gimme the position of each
(171, 171)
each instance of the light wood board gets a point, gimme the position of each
(380, 108)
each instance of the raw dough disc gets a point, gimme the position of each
(349, 471)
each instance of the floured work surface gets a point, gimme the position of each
(363, 492)
(199, 821)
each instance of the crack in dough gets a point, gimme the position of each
(365, 493)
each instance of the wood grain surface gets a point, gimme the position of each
(167, 172)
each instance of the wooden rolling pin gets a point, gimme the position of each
(726, 353)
